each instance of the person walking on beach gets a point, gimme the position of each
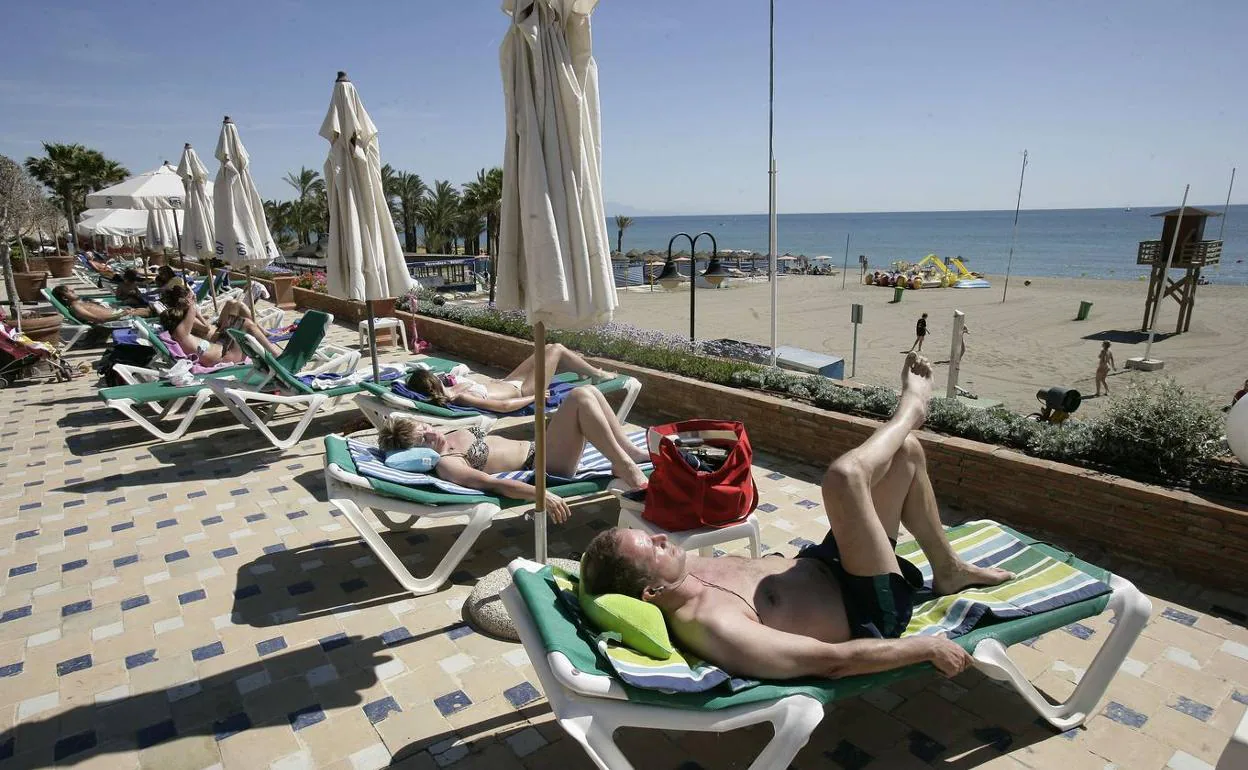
(920, 331)
(1104, 361)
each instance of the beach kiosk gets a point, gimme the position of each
(1191, 254)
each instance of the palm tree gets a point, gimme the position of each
(437, 215)
(487, 192)
(280, 215)
(391, 180)
(411, 191)
(308, 216)
(70, 171)
(622, 223)
(468, 226)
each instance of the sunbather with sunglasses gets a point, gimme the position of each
(470, 457)
(838, 608)
(208, 343)
(512, 392)
(93, 312)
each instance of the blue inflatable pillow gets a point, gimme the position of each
(416, 460)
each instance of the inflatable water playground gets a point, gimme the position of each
(931, 272)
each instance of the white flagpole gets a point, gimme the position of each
(1014, 236)
(1161, 293)
(1227, 206)
(771, 160)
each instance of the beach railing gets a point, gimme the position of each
(1192, 254)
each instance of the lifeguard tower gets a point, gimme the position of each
(1192, 253)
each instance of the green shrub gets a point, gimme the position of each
(1150, 430)
(1156, 427)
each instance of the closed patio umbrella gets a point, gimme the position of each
(242, 232)
(364, 260)
(554, 259)
(197, 228)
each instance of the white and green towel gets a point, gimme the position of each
(1041, 583)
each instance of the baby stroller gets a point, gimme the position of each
(19, 354)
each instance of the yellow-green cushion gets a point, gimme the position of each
(640, 625)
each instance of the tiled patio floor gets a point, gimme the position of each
(196, 604)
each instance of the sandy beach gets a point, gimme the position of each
(1029, 342)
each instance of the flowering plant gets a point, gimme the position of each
(312, 281)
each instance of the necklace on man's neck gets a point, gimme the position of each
(708, 583)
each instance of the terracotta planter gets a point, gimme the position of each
(29, 285)
(384, 308)
(42, 328)
(60, 266)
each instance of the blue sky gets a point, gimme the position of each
(879, 106)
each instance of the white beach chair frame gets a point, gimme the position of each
(591, 708)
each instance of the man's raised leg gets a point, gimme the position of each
(850, 482)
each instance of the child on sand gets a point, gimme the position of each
(1104, 361)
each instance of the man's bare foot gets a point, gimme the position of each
(601, 376)
(916, 386)
(966, 575)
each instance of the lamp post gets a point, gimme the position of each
(715, 272)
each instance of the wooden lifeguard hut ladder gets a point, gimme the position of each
(1191, 254)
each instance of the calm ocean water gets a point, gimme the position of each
(1091, 243)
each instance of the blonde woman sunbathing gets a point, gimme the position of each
(469, 457)
(512, 392)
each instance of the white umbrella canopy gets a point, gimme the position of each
(160, 188)
(125, 223)
(197, 226)
(364, 259)
(554, 258)
(242, 235)
(162, 230)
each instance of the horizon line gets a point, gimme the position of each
(1217, 207)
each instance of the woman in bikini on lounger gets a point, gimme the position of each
(209, 344)
(512, 392)
(470, 458)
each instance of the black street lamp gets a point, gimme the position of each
(715, 273)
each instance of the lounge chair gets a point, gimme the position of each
(77, 328)
(168, 400)
(378, 402)
(280, 386)
(591, 703)
(398, 506)
(327, 358)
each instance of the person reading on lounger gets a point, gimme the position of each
(512, 392)
(93, 312)
(470, 457)
(129, 293)
(208, 343)
(838, 608)
(166, 279)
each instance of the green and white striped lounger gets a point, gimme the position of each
(592, 702)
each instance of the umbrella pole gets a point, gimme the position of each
(251, 300)
(177, 230)
(539, 440)
(372, 339)
(212, 286)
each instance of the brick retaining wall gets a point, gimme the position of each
(1197, 539)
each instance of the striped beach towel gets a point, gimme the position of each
(370, 462)
(1041, 583)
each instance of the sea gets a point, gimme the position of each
(1074, 243)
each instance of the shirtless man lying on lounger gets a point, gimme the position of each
(838, 608)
